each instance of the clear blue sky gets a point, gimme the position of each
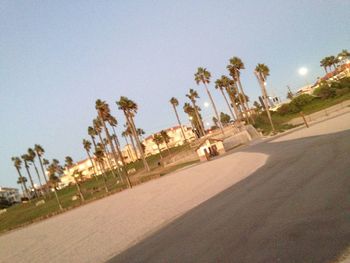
(58, 57)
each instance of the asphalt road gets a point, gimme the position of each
(296, 208)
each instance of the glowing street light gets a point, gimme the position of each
(206, 104)
(303, 71)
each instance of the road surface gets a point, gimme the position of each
(295, 208)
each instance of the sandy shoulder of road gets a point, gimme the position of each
(97, 231)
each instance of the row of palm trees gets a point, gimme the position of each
(51, 176)
(230, 87)
(333, 61)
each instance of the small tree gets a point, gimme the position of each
(166, 139)
(225, 118)
(158, 140)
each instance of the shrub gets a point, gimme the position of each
(325, 91)
(342, 91)
(301, 100)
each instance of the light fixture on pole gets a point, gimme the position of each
(303, 72)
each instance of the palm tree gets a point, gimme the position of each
(235, 67)
(98, 129)
(32, 155)
(39, 152)
(22, 181)
(193, 95)
(175, 103)
(18, 165)
(324, 63)
(195, 118)
(129, 109)
(92, 133)
(99, 155)
(344, 55)
(87, 147)
(45, 163)
(128, 132)
(166, 139)
(203, 76)
(261, 72)
(231, 90)
(125, 134)
(26, 158)
(76, 173)
(158, 140)
(52, 170)
(104, 115)
(219, 85)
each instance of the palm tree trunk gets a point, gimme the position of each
(199, 120)
(79, 190)
(178, 120)
(23, 183)
(134, 147)
(93, 141)
(264, 93)
(57, 199)
(37, 172)
(31, 180)
(228, 105)
(112, 148)
(235, 109)
(241, 89)
(93, 165)
(117, 146)
(160, 152)
(214, 107)
(42, 169)
(129, 149)
(104, 177)
(133, 129)
(107, 156)
(22, 189)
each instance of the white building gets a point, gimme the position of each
(10, 194)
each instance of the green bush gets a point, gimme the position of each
(325, 91)
(301, 100)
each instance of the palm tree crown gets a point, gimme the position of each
(202, 75)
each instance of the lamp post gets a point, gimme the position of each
(303, 72)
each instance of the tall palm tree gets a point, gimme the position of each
(18, 165)
(76, 173)
(26, 159)
(195, 118)
(52, 170)
(203, 76)
(219, 85)
(174, 102)
(97, 125)
(21, 181)
(125, 134)
(261, 72)
(231, 90)
(39, 150)
(32, 155)
(324, 63)
(193, 95)
(129, 132)
(344, 55)
(87, 147)
(158, 140)
(166, 139)
(104, 114)
(99, 155)
(45, 163)
(129, 109)
(92, 133)
(235, 67)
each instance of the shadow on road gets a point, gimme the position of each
(296, 208)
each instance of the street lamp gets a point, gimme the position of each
(302, 72)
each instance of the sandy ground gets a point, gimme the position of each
(102, 229)
(97, 231)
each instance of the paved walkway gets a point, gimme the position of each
(97, 231)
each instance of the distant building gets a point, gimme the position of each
(10, 194)
(175, 139)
